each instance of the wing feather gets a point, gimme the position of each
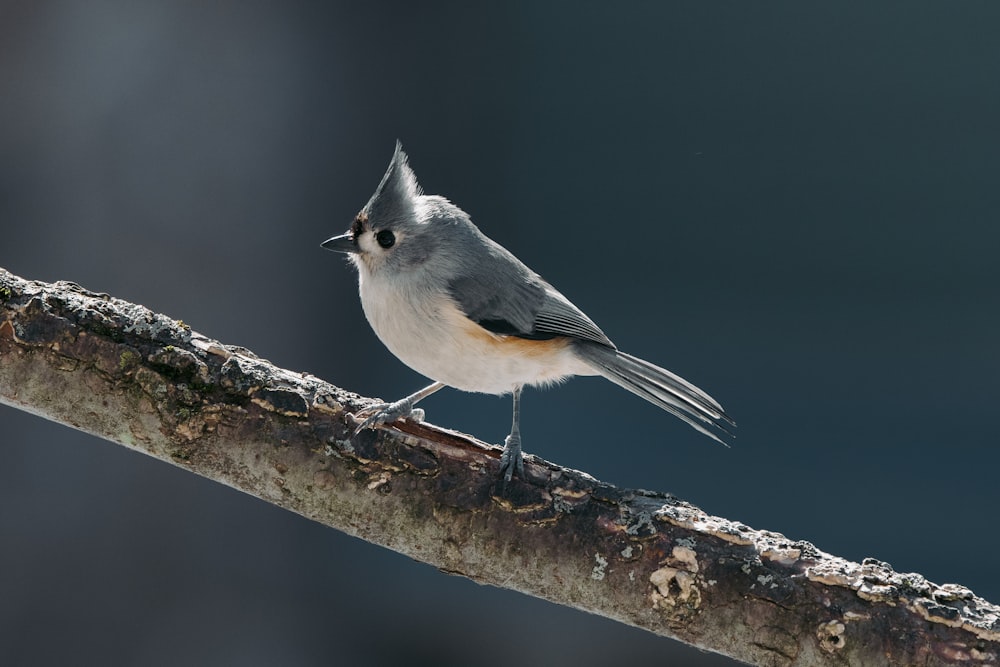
(508, 298)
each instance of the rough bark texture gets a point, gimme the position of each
(146, 381)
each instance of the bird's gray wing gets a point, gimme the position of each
(509, 299)
(558, 315)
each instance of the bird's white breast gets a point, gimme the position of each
(431, 335)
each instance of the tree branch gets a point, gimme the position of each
(143, 380)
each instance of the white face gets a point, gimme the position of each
(375, 247)
(368, 243)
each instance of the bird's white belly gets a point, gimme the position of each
(434, 338)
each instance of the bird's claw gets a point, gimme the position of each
(385, 413)
(512, 460)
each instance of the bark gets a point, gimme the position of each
(146, 381)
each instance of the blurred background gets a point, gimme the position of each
(794, 206)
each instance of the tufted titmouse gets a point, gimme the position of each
(459, 308)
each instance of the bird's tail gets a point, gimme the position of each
(660, 387)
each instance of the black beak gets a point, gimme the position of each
(342, 243)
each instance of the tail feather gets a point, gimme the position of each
(660, 387)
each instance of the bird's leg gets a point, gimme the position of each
(512, 460)
(390, 412)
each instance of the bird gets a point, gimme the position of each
(462, 310)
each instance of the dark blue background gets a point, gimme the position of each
(794, 206)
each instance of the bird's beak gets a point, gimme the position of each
(342, 243)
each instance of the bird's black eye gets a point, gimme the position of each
(385, 238)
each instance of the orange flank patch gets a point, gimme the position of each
(530, 348)
(510, 344)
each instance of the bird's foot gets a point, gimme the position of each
(511, 460)
(390, 412)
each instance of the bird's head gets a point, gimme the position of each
(394, 231)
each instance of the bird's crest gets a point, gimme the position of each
(393, 200)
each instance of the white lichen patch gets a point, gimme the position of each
(641, 523)
(598, 572)
(856, 616)
(662, 579)
(685, 558)
(379, 480)
(831, 636)
(675, 585)
(673, 588)
(953, 593)
(694, 519)
(209, 346)
(781, 555)
(832, 572)
(878, 593)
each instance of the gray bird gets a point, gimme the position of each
(459, 308)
